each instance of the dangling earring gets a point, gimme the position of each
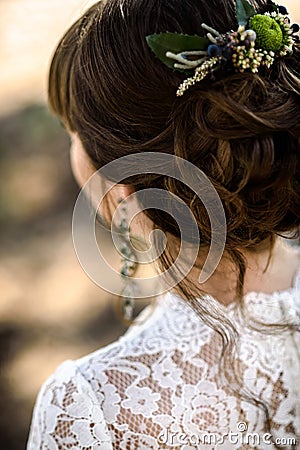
(128, 268)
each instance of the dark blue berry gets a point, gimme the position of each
(227, 52)
(282, 10)
(213, 50)
(247, 43)
(295, 27)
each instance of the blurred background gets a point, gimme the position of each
(49, 309)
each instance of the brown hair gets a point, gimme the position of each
(242, 130)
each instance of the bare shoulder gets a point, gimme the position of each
(287, 264)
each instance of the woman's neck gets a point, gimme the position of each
(278, 276)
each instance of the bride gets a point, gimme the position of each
(216, 362)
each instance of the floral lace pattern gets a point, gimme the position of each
(158, 386)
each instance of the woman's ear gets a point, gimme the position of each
(81, 165)
(123, 191)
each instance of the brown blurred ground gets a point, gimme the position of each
(49, 309)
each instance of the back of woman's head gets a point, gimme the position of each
(242, 130)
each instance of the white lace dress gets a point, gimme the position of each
(158, 387)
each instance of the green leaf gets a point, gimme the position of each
(162, 43)
(274, 6)
(244, 11)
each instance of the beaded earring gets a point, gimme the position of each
(129, 266)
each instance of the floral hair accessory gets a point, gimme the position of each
(259, 40)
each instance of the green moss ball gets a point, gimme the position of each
(268, 32)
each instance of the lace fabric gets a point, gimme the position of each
(158, 386)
